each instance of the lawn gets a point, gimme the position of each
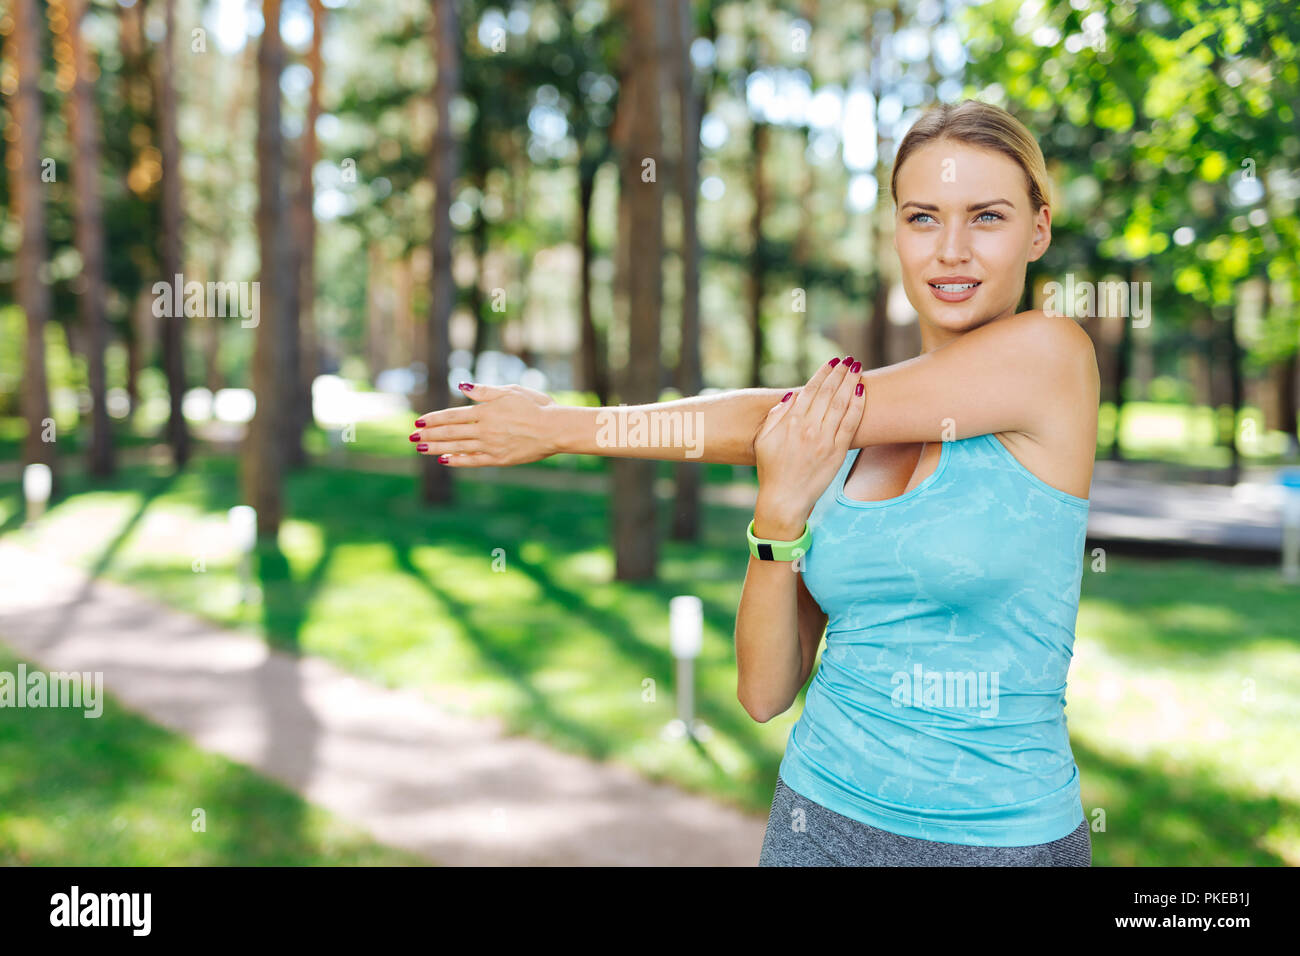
(1181, 705)
(117, 790)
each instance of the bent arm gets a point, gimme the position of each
(1015, 374)
(779, 627)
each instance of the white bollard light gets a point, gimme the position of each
(686, 637)
(243, 527)
(37, 482)
(1289, 479)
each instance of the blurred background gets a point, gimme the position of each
(246, 244)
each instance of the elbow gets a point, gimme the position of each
(759, 711)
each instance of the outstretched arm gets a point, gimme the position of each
(1015, 374)
(511, 425)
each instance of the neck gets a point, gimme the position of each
(936, 337)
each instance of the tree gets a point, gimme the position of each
(690, 474)
(635, 537)
(84, 123)
(299, 355)
(263, 460)
(29, 196)
(170, 257)
(443, 163)
(758, 253)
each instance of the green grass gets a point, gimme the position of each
(117, 790)
(1185, 765)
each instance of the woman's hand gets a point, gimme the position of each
(505, 425)
(801, 445)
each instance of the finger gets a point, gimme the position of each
(776, 413)
(839, 401)
(447, 416)
(817, 407)
(469, 460)
(457, 447)
(803, 399)
(853, 410)
(482, 393)
(438, 432)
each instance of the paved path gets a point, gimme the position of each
(455, 789)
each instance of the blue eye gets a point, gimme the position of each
(916, 215)
(995, 215)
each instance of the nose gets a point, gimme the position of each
(954, 243)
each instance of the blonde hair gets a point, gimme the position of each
(986, 127)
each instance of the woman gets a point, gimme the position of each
(943, 558)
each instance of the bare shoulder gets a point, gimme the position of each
(1056, 338)
(1061, 448)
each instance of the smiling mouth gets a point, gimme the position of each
(953, 286)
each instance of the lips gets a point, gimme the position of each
(953, 288)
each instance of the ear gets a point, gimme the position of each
(1042, 234)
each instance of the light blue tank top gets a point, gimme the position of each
(938, 709)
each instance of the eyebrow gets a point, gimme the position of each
(971, 208)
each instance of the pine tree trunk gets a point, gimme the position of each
(594, 367)
(443, 166)
(170, 256)
(90, 236)
(689, 474)
(758, 253)
(28, 190)
(307, 219)
(636, 545)
(263, 456)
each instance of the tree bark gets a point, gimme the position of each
(307, 220)
(636, 543)
(1234, 355)
(444, 161)
(84, 124)
(29, 195)
(170, 255)
(594, 365)
(263, 455)
(758, 253)
(1287, 416)
(690, 474)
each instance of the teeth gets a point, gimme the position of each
(949, 287)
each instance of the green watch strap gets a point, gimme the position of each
(766, 549)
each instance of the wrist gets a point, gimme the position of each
(564, 428)
(778, 525)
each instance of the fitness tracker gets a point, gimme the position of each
(765, 549)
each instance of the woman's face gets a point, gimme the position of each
(964, 233)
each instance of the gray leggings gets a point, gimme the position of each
(829, 839)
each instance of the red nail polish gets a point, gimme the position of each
(464, 386)
(787, 395)
(444, 459)
(419, 423)
(423, 446)
(414, 436)
(857, 367)
(848, 360)
(858, 391)
(834, 362)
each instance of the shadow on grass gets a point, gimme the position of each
(1175, 816)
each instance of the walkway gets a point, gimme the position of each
(457, 790)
